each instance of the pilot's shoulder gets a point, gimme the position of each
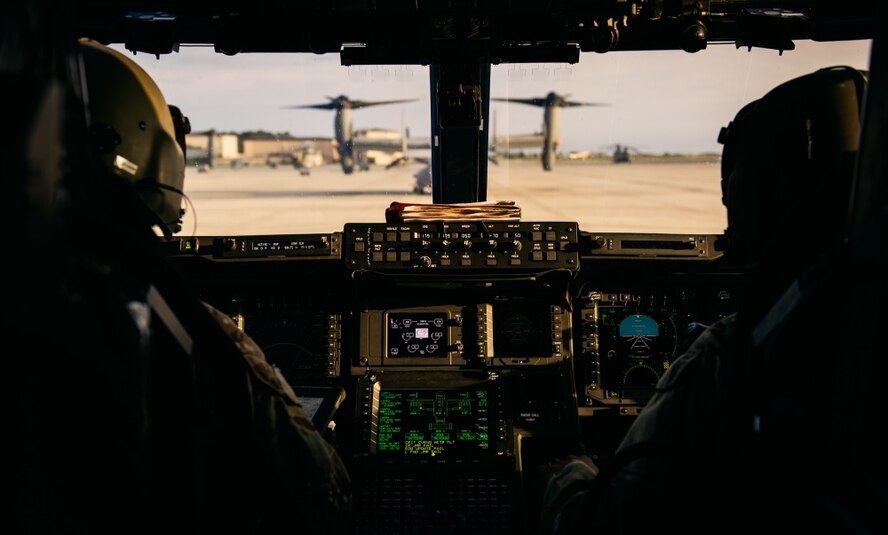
(706, 357)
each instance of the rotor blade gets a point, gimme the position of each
(355, 104)
(343, 101)
(542, 102)
(571, 104)
(326, 106)
(529, 101)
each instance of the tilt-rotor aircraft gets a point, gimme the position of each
(551, 122)
(347, 145)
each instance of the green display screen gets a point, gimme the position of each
(433, 423)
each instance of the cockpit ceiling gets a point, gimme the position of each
(495, 31)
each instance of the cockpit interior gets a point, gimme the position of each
(448, 358)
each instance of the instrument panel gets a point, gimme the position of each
(472, 293)
(629, 340)
(469, 351)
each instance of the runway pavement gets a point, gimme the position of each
(673, 197)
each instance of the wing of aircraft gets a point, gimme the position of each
(398, 144)
(502, 144)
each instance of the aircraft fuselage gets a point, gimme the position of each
(342, 126)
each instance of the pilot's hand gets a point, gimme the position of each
(562, 478)
(579, 467)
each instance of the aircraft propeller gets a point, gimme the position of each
(342, 101)
(551, 99)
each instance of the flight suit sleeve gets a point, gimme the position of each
(311, 479)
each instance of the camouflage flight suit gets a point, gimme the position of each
(671, 438)
(314, 479)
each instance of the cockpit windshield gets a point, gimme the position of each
(618, 142)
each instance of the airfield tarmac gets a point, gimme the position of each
(677, 197)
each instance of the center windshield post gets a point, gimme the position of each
(460, 100)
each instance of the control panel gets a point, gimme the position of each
(464, 245)
(277, 245)
(495, 334)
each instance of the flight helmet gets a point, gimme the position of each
(788, 164)
(138, 136)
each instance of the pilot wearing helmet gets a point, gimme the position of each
(176, 417)
(737, 410)
(137, 135)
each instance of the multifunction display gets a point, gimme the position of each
(495, 334)
(636, 344)
(417, 334)
(430, 424)
(525, 330)
(629, 340)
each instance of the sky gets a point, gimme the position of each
(655, 102)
